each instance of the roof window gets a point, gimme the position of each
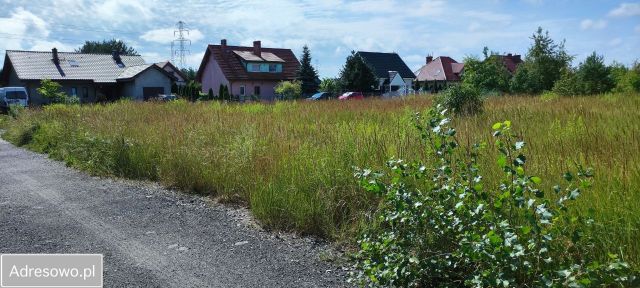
(73, 63)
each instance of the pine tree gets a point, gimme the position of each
(307, 74)
(356, 75)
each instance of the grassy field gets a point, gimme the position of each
(292, 163)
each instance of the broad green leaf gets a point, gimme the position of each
(535, 180)
(496, 126)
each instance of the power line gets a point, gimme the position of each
(180, 51)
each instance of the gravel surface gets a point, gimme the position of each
(149, 236)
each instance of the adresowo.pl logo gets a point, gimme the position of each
(51, 270)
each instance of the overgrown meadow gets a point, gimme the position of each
(293, 163)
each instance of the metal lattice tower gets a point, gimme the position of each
(179, 47)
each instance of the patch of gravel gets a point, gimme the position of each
(149, 235)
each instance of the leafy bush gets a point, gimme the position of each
(443, 225)
(488, 75)
(461, 99)
(568, 85)
(15, 110)
(289, 89)
(51, 90)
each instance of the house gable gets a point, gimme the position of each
(382, 63)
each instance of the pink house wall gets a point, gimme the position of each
(267, 88)
(212, 77)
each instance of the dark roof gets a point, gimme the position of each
(382, 63)
(510, 61)
(443, 68)
(230, 63)
(100, 68)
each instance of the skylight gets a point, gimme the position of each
(73, 63)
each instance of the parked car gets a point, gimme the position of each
(351, 96)
(320, 96)
(167, 98)
(13, 96)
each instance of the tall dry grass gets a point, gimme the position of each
(292, 162)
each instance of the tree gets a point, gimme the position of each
(626, 80)
(487, 75)
(307, 75)
(51, 90)
(568, 84)
(543, 65)
(106, 47)
(594, 76)
(190, 73)
(289, 89)
(356, 75)
(330, 85)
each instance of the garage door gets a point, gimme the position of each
(152, 92)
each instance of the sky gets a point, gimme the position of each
(331, 28)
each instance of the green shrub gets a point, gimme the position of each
(289, 89)
(444, 225)
(461, 99)
(15, 110)
(568, 85)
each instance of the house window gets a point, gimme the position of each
(275, 68)
(74, 91)
(254, 67)
(85, 92)
(242, 90)
(256, 90)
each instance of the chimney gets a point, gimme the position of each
(509, 54)
(429, 59)
(115, 54)
(55, 59)
(257, 48)
(223, 43)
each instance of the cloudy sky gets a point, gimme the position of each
(332, 28)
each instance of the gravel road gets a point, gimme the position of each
(149, 236)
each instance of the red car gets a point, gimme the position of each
(351, 96)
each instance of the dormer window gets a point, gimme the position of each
(264, 67)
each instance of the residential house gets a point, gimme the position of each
(394, 76)
(181, 78)
(90, 77)
(439, 73)
(510, 61)
(248, 72)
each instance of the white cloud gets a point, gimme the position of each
(20, 28)
(615, 42)
(121, 11)
(44, 45)
(587, 24)
(626, 10)
(166, 35)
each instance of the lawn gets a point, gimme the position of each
(292, 162)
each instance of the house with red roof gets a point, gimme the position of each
(439, 73)
(248, 72)
(510, 62)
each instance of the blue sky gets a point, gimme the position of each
(332, 28)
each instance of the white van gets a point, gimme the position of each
(13, 96)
